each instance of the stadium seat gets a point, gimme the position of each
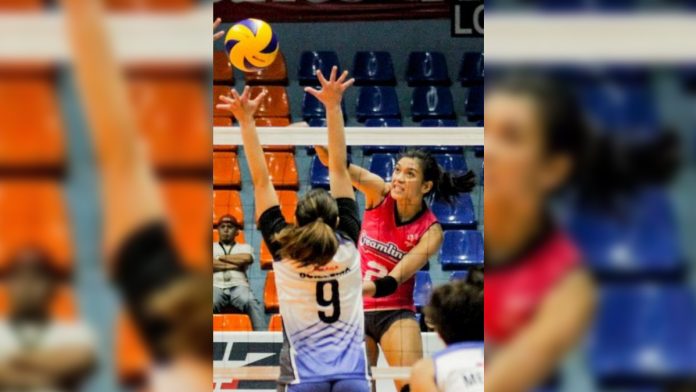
(288, 204)
(173, 116)
(640, 241)
(276, 73)
(474, 104)
(312, 108)
(383, 165)
(471, 71)
(217, 92)
(22, 5)
(461, 249)
(316, 122)
(227, 202)
(282, 169)
(270, 294)
(222, 121)
(432, 102)
(276, 323)
(310, 62)
(427, 68)
(459, 215)
(265, 257)
(222, 70)
(275, 104)
(438, 122)
(644, 332)
(383, 122)
(226, 169)
(422, 289)
(231, 323)
(132, 358)
(31, 134)
(459, 275)
(150, 5)
(373, 68)
(34, 214)
(453, 163)
(319, 174)
(376, 101)
(187, 203)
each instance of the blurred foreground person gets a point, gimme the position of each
(170, 305)
(37, 351)
(455, 312)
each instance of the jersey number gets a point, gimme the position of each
(334, 300)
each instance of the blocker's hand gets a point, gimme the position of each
(242, 107)
(332, 90)
(217, 34)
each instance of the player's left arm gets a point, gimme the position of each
(423, 376)
(558, 326)
(414, 260)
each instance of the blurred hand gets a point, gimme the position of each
(322, 154)
(217, 35)
(369, 288)
(242, 107)
(332, 90)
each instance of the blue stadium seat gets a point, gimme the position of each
(311, 61)
(422, 289)
(451, 163)
(373, 68)
(383, 122)
(432, 102)
(471, 71)
(383, 165)
(427, 68)
(641, 240)
(369, 150)
(459, 275)
(319, 177)
(313, 109)
(374, 101)
(461, 249)
(474, 104)
(439, 122)
(459, 215)
(644, 332)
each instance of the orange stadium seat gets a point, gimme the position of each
(232, 322)
(275, 104)
(217, 92)
(188, 208)
(63, 304)
(282, 169)
(150, 5)
(265, 258)
(239, 239)
(222, 70)
(276, 73)
(226, 169)
(288, 204)
(34, 215)
(276, 323)
(133, 359)
(22, 5)
(270, 294)
(173, 115)
(31, 131)
(227, 202)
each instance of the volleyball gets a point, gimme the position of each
(251, 45)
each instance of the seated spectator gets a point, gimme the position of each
(231, 291)
(38, 352)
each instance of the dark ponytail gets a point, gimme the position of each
(312, 240)
(446, 185)
(604, 165)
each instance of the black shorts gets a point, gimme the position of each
(378, 322)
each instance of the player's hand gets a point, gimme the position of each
(322, 154)
(332, 90)
(217, 34)
(369, 288)
(241, 106)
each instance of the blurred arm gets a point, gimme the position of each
(61, 366)
(129, 191)
(535, 353)
(423, 376)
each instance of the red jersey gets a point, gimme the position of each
(383, 243)
(514, 292)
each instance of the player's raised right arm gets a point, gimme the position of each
(243, 108)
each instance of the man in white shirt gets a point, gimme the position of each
(37, 352)
(231, 291)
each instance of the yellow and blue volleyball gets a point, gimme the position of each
(251, 45)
